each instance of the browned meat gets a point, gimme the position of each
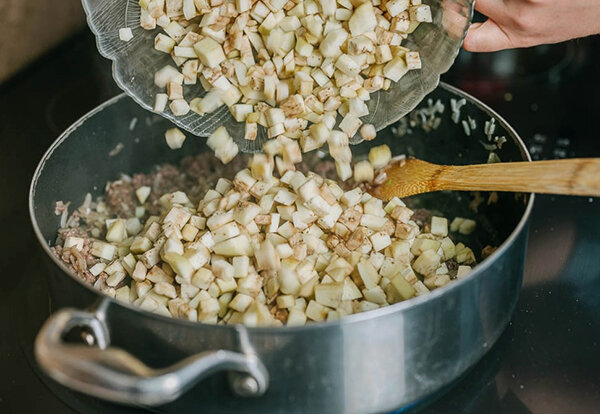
(452, 266)
(120, 198)
(422, 217)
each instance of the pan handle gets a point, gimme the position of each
(113, 374)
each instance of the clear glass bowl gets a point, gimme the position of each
(136, 61)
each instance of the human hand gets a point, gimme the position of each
(525, 23)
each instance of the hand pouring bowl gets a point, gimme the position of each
(136, 61)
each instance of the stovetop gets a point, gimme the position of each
(548, 359)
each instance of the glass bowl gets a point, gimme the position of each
(136, 61)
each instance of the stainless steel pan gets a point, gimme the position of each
(371, 362)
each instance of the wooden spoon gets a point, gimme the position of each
(403, 178)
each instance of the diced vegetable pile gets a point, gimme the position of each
(267, 249)
(283, 64)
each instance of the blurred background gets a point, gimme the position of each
(28, 28)
(548, 359)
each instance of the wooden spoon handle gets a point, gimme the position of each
(577, 176)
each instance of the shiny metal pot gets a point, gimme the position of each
(371, 362)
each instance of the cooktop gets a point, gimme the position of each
(548, 359)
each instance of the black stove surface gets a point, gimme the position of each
(547, 360)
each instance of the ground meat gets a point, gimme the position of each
(120, 198)
(423, 218)
(205, 167)
(167, 179)
(140, 180)
(452, 266)
(325, 168)
(195, 176)
(77, 261)
(71, 232)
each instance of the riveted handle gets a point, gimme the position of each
(113, 374)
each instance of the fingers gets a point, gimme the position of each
(493, 9)
(487, 37)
